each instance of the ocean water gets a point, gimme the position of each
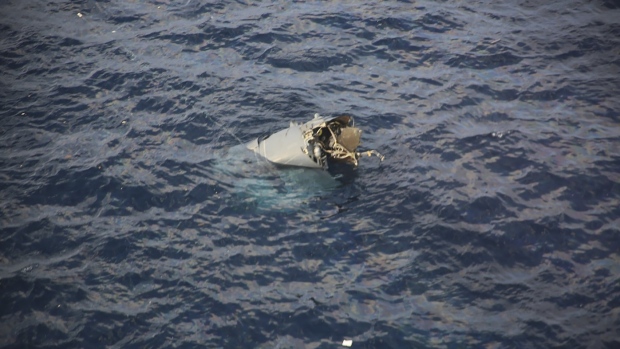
(128, 218)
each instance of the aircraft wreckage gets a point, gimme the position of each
(313, 144)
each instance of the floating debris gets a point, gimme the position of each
(313, 143)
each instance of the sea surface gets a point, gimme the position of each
(130, 216)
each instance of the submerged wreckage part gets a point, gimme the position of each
(313, 143)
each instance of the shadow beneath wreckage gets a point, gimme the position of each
(253, 184)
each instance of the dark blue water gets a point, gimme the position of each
(125, 222)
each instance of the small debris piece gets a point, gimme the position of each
(347, 343)
(80, 15)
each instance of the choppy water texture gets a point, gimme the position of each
(492, 223)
